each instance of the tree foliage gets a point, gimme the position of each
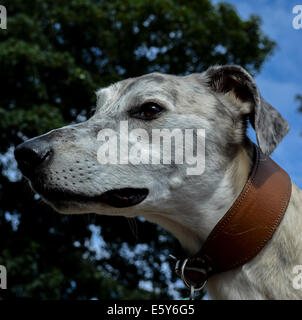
(53, 56)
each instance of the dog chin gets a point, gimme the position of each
(67, 207)
(72, 207)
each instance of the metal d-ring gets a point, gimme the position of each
(180, 271)
(185, 281)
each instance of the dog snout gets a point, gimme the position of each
(32, 154)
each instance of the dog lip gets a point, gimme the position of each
(126, 197)
(118, 198)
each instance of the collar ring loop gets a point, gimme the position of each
(187, 282)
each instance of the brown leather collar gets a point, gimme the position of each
(245, 229)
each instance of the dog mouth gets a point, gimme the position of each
(118, 198)
(126, 197)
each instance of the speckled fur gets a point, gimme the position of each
(221, 101)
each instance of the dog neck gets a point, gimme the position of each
(192, 225)
(252, 280)
(269, 275)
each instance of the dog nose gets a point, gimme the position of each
(32, 154)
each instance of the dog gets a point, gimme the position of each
(63, 168)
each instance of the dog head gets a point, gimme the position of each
(80, 168)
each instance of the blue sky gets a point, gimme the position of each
(281, 76)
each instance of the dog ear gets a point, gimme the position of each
(239, 89)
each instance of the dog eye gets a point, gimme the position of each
(147, 111)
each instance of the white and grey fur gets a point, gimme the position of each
(221, 100)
